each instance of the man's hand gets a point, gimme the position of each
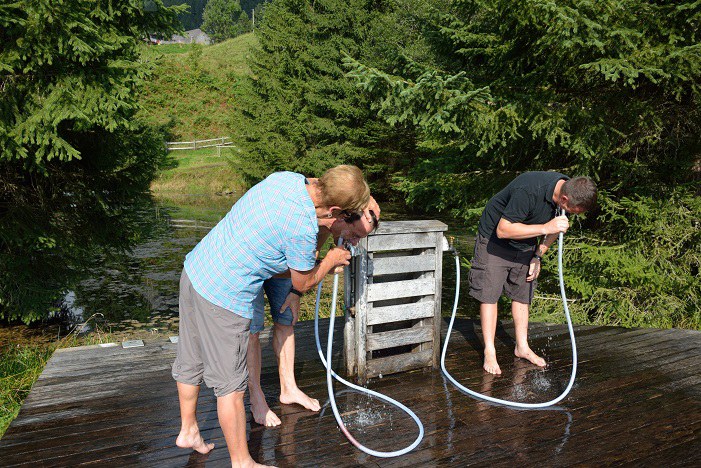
(339, 257)
(291, 301)
(533, 269)
(556, 225)
(374, 207)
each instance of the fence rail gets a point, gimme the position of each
(197, 144)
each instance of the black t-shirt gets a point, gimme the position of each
(528, 199)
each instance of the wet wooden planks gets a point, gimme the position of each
(636, 401)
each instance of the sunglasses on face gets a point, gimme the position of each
(351, 217)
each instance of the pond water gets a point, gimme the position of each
(139, 290)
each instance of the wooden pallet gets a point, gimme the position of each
(393, 300)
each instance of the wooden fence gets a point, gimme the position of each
(197, 144)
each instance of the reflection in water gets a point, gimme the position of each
(566, 435)
(197, 460)
(526, 383)
(451, 416)
(74, 311)
(280, 442)
(357, 410)
(369, 419)
(139, 289)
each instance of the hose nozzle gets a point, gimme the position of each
(351, 248)
(448, 245)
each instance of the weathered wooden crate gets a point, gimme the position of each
(393, 300)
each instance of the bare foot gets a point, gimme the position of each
(249, 464)
(298, 396)
(263, 415)
(529, 355)
(490, 362)
(191, 438)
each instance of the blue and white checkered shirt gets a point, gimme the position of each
(271, 229)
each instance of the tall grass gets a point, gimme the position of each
(20, 367)
(199, 173)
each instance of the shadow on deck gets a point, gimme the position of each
(636, 400)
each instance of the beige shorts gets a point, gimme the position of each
(498, 270)
(212, 344)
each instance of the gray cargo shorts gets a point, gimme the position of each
(212, 344)
(498, 270)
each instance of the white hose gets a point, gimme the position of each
(569, 325)
(329, 382)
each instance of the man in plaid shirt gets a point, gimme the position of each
(271, 229)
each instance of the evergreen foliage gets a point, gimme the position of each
(608, 89)
(644, 274)
(72, 156)
(224, 19)
(248, 6)
(454, 98)
(192, 17)
(304, 114)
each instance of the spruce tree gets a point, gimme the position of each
(72, 156)
(604, 88)
(305, 115)
(224, 19)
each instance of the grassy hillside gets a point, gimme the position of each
(195, 88)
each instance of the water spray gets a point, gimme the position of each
(329, 382)
(515, 404)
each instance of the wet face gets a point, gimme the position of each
(570, 208)
(352, 232)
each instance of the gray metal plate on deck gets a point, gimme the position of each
(132, 343)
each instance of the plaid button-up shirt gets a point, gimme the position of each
(271, 229)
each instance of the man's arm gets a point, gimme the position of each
(545, 245)
(534, 267)
(519, 231)
(321, 238)
(303, 281)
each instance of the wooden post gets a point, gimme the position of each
(397, 300)
(361, 315)
(437, 298)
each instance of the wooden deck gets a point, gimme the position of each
(636, 401)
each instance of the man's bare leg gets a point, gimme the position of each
(488, 319)
(262, 414)
(284, 346)
(519, 311)
(189, 436)
(232, 419)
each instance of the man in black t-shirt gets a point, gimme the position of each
(507, 254)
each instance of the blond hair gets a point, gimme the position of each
(344, 186)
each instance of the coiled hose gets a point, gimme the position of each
(515, 404)
(329, 382)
